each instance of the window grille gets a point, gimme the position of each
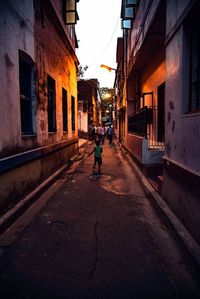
(194, 97)
(64, 110)
(73, 112)
(51, 105)
(25, 80)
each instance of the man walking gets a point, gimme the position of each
(110, 134)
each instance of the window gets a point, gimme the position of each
(73, 112)
(194, 97)
(25, 82)
(161, 113)
(51, 105)
(64, 110)
(191, 51)
(126, 24)
(131, 2)
(69, 12)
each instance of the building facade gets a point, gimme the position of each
(181, 180)
(38, 119)
(89, 113)
(141, 81)
(158, 106)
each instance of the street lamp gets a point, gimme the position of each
(107, 96)
(108, 68)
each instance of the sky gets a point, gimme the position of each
(97, 31)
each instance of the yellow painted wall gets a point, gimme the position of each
(54, 57)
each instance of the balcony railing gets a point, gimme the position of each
(144, 123)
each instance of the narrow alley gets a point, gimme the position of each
(95, 237)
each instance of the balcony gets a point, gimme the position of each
(144, 123)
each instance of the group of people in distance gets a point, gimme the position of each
(102, 132)
(98, 136)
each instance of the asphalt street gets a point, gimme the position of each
(95, 237)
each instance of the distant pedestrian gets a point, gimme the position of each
(110, 134)
(102, 132)
(99, 131)
(94, 132)
(97, 156)
(105, 131)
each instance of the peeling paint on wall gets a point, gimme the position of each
(168, 149)
(171, 105)
(8, 61)
(173, 125)
(41, 92)
(42, 125)
(169, 116)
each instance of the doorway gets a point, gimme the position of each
(161, 113)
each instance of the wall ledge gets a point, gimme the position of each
(13, 161)
(181, 170)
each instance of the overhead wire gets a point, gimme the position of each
(105, 48)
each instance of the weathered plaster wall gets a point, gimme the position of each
(16, 27)
(151, 156)
(53, 58)
(19, 180)
(182, 131)
(83, 121)
(138, 147)
(45, 42)
(183, 198)
(16, 182)
(134, 145)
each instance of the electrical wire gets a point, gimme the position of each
(105, 48)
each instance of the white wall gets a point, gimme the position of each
(16, 27)
(83, 121)
(182, 130)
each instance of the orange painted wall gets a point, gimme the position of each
(153, 76)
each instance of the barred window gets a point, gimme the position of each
(64, 110)
(51, 104)
(194, 97)
(191, 61)
(73, 113)
(25, 83)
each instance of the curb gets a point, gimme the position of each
(182, 233)
(11, 215)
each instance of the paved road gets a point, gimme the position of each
(95, 237)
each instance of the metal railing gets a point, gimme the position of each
(144, 123)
